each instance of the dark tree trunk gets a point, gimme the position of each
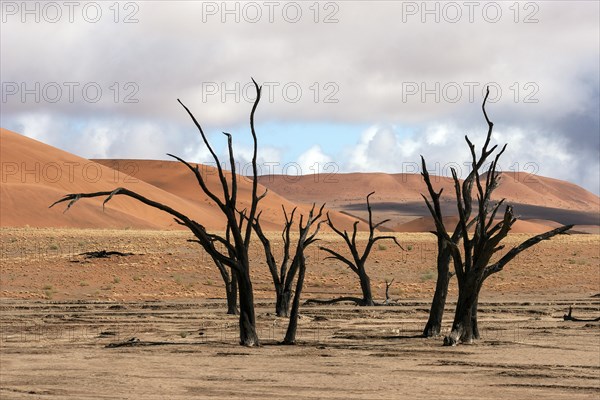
(388, 299)
(290, 335)
(462, 327)
(282, 305)
(284, 274)
(365, 285)
(248, 336)
(230, 281)
(436, 313)
(474, 325)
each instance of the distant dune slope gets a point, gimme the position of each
(176, 178)
(34, 175)
(350, 188)
(546, 201)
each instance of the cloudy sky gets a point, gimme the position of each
(348, 85)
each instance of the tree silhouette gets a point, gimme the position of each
(283, 274)
(473, 266)
(357, 261)
(444, 254)
(304, 240)
(234, 251)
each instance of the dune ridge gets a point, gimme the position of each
(34, 175)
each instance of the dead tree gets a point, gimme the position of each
(284, 274)
(299, 262)
(357, 262)
(433, 326)
(436, 312)
(570, 317)
(236, 257)
(388, 284)
(104, 254)
(472, 266)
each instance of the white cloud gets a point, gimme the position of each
(366, 63)
(314, 161)
(381, 149)
(39, 126)
(437, 135)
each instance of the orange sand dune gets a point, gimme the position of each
(27, 205)
(34, 175)
(551, 224)
(352, 187)
(520, 187)
(545, 201)
(341, 189)
(425, 224)
(176, 178)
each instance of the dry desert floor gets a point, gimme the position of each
(60, 310)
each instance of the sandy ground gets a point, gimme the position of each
(45, 264)
(59, 311)
(57, 350)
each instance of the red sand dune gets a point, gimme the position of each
(348, 188)
(353, 187)
(176, 178)
(537, 199)
(520, 187)
(34, 175)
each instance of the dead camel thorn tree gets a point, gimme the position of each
(436, 312)
(570, 317)
(357, 261)
(472, 266)
(235, 244)
(283, 274)
(299, 260)
(388, 284)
